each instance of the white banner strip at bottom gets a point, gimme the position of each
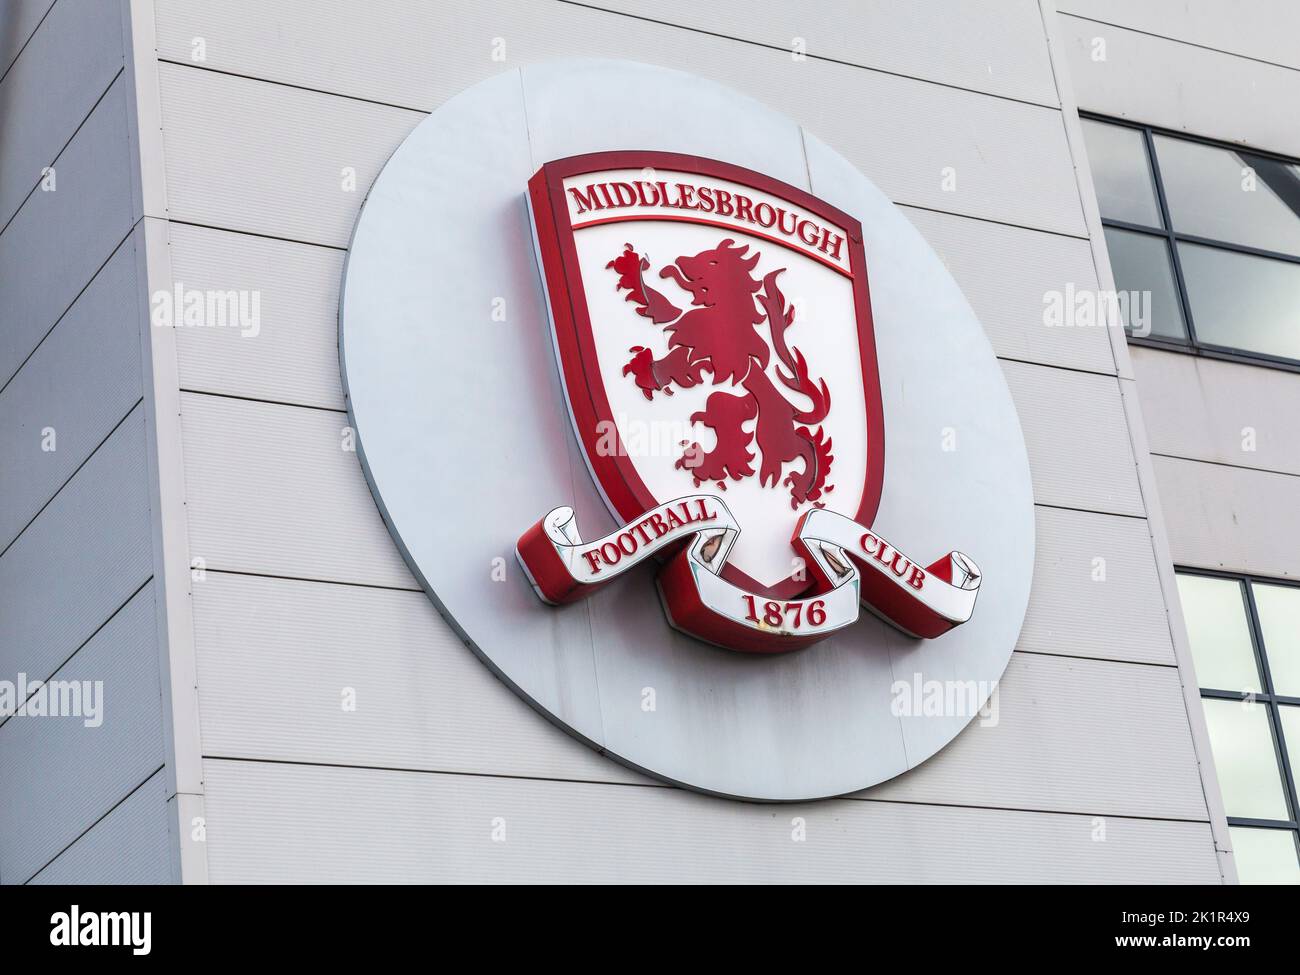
(847, 564)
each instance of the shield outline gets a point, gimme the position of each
(614, 475)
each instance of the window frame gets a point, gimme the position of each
(1171, 237)
(1266, 698)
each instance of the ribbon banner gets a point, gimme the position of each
(848, 565)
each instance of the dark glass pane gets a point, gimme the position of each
(1121, 173)
(1241, 301)
(1232, 196)
(1142, 266)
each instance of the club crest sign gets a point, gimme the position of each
(780, 407)
(686, 432)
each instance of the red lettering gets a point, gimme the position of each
(706, 200)
(610, 553)
(592, 560)
(830, 244)
(624, 193)
(588, 202)
(657, 525)
(641, 194)
(781, 214)
(917, 579)
(805, 225)
(743, 211)
(724, 204)
(630, 541)
(765, 215)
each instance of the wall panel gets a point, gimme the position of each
(51, 89)
(1080, 455)
(938, 40)
(17, 27)
(1096, 592)
(59, 239)
(61, 776)
(1009, 160)
(1222, 412)
(292, 356)
(1232, 518)
(275, 657)
(79, 383)
(127, 846)
(1178, 86)
(271, 822)
(1262, 29)
(80, 560)
(273, 490)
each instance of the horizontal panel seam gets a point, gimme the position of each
(812, 57)
(854, 797)
(1182, 41)
(1221, 463)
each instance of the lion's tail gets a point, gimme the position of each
(780, 317)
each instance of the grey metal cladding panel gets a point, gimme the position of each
(1230, 518)
(262, 158)
(80, 559)
(299, 824)
(59, 239)
(1077, 436)
(1063, 738)
(1225, 412)
(1010, 160)
(1095, 591)
(60, 775)
(1180, 86)
(1007, 274)
(81, 380)
(130, 845)
(297, 42)
(18, 21)
(274, 657)
(294, 356)
(51, 89)
(953, 44)
(1262, 29)
(272, 489)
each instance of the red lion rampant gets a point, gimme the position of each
(721, 334)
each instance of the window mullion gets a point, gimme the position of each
(1172, 241)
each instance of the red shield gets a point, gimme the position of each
(713, 328)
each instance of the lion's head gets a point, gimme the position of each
(720, 275)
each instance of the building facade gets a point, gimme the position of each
(185, 523)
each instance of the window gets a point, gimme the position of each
(1245, 640)
(1209, 233)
